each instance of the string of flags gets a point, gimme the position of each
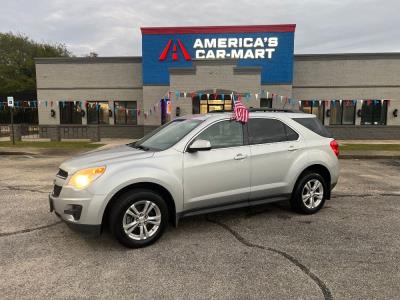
(21, 104)
(178, 96)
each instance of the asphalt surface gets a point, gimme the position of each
(350, 249)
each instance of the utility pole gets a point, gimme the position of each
(10, 102)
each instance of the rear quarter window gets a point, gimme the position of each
(314, 125)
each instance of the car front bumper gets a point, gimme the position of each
(76, 214)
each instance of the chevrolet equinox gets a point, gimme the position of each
(197, 164)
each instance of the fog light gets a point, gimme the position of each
(74, 210)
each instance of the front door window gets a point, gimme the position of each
(223, 134)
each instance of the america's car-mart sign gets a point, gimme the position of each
(267, 46)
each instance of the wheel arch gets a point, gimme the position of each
(321, 170)
(154, 187)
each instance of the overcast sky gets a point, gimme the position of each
(112, 28)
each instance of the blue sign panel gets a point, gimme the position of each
(268, 47)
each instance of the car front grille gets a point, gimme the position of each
(62, 174)
(56, 190)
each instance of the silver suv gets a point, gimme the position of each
(197, 164)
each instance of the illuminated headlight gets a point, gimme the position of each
(83, 178)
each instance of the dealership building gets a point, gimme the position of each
(195, 70)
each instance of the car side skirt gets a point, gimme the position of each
(229, 206)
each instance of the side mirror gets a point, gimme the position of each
(199, 145)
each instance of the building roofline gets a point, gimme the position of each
(219, 29)
(338, 56)
(138, 59)
(88, 60)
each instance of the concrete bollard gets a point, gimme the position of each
(54, 133)
(17, 132)
(94, 133)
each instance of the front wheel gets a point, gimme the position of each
(138, 218)
(309, 194)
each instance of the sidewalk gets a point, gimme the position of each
(110, 143)
(368, 142)
(369, 155)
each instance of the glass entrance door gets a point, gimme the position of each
(213, 103)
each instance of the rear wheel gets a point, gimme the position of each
(138, 218)
(309, 194)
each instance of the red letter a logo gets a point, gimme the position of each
(164, 53)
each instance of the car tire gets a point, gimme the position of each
(309, 194)
(138, 218)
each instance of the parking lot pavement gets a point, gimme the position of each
(350, 249)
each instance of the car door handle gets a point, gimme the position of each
(240, 156)
(292, 148)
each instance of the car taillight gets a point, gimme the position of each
(335, 147)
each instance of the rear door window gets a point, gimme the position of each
(263, 131)
(314, 125)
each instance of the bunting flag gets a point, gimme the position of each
(186, 95)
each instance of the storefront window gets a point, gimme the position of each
(266, 102)
(70, 112)
(97, 113)
(343, 112)
(349, 112)
(373, 112)
(125, 112)
(315, 107)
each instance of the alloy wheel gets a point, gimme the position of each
(141, 220)
(312, 194)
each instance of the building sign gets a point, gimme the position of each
(10, 101)
(235, 48)
(267, 46)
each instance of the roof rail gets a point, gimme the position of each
(220, 111)
(266, 109)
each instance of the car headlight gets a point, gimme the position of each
(82, 178)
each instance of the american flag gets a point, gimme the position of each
(241, 113)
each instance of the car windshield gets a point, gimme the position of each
(167, 135)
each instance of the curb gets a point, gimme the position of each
(16, 153)
(366, 156)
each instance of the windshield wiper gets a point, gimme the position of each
(142, 148)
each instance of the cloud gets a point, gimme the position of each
(112, 28)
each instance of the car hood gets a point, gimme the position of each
(104, 157)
